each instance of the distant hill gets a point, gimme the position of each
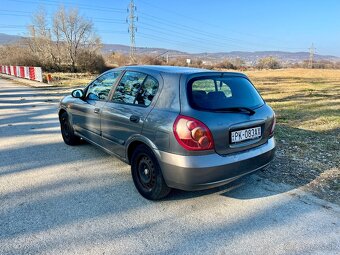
(249, 57)
(288, 57)
(140, 50)
(8, 39)
(281, 55)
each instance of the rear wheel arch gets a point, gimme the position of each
(131, 148)
(136, 140)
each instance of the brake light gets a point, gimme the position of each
(192, 134)
(273, 126)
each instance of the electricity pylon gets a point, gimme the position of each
(132, 19)
(311, 56)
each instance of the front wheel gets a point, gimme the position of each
(67, 130)
(147, 175)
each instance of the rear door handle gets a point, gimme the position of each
(134, 118)
(96, 110)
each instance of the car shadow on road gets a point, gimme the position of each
(235, 189)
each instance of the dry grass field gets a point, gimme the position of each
(71, 79)
(307, 104)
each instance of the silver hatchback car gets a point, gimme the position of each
(178, 127)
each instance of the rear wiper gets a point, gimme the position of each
(236, 109)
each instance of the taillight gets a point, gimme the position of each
(273, 126)
(192, 134)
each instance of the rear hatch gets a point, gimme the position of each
(231, 108)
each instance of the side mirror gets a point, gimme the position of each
(77, 93)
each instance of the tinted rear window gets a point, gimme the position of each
(213, 93)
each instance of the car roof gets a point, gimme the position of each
(167, 69)
(173, 69)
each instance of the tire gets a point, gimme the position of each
(147, 175)
(67, 131)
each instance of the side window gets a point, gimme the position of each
(135, 88)
(100, 87)
(147, 91)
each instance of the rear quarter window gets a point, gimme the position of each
(214, 93)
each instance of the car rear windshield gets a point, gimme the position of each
(217, 93)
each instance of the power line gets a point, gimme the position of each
(159, 38)
(97, 20)
(147, 62)
(187, 36)
(185, 27)
(166, 23)
(206, 23)
(82, 6)
(15, 11)
(85, 5)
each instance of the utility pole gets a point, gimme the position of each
(311, 56)
(132, 29)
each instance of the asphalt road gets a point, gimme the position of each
(78, 200)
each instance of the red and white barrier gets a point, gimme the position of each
(28, 72)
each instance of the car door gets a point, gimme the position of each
(86, 114)
(124, 115)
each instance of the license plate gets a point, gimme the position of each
(245, 134)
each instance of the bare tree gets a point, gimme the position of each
(268, 63)
(76, 33)
(68, 40)
(39, 39)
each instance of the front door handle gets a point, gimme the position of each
(134, 118)
(96, 110)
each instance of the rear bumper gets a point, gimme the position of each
(208, 171)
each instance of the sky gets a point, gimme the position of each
(200, 26)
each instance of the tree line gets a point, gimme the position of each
(119, 59)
